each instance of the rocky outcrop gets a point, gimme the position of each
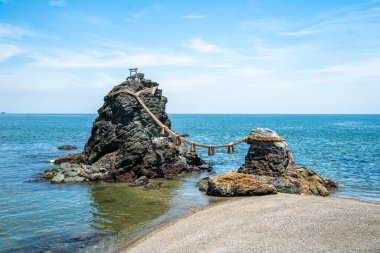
(266, 166)
(126, 144)
(233, 184)
(268, 158)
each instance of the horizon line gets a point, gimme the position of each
(85, 113)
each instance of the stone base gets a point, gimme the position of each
(233, 184)
(298, 180)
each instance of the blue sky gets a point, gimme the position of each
(63, 56)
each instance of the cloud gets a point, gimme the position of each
(95, 20)
(198, 44)
(138, 15)
(11, 31)
(301, 32)
(110, 59)
(194, 16)
(8, 51)
(57, 3)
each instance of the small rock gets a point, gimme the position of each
(143, 180)
(72, 158)
(204, 167)
(285, 186)
(48, 174)
(153, 185)
(70, 174)
(65, 166)
(67, 147)
(58, 178)
(73, 179)
(96, 176)
(203, 184)
(291, 173)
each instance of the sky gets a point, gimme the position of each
(209, 56)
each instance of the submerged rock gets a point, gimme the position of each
(141, 181)
(126, 143)
(67, 147)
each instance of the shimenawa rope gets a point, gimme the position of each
(179, 138)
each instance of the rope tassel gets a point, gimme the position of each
(178, 141)
(192, 148)
(230, 149)
(211, 151)
(163, 131)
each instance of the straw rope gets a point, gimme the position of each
(172, 133)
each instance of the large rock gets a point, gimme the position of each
(265, 168)
(298, 180)
(126, 142)
(233, 184)
(269, 158)
(310, 182)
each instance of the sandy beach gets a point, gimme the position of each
(275, 223)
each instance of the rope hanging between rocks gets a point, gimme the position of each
(179, 139)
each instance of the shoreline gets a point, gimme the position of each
(350, 216)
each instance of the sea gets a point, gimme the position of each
(106, 217)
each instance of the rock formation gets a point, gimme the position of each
(266, 164)
(125, 143)
(236, 184)
(266, 157)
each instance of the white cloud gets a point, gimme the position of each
(95, 20)
(202, 46)
(109, 59)
(8, 51)
(138, 15)
(194, 16)
(57, 3)
(12, 31)
(301, 32)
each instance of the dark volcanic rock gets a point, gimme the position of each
(267, 158)
(126, 142)
(72, 158)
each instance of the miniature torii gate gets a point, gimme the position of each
(133, 70)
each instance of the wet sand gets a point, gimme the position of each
(275, 223)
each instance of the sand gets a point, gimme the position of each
(275, 223)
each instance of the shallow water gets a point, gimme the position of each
(37, 217)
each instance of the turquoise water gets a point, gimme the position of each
(41, 217)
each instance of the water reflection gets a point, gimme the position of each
(131, 211)
(121, 207)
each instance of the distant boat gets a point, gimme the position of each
(2, 112)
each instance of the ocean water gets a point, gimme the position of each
(43, 217)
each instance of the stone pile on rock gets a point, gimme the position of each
(125, 143)
(266, 167)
